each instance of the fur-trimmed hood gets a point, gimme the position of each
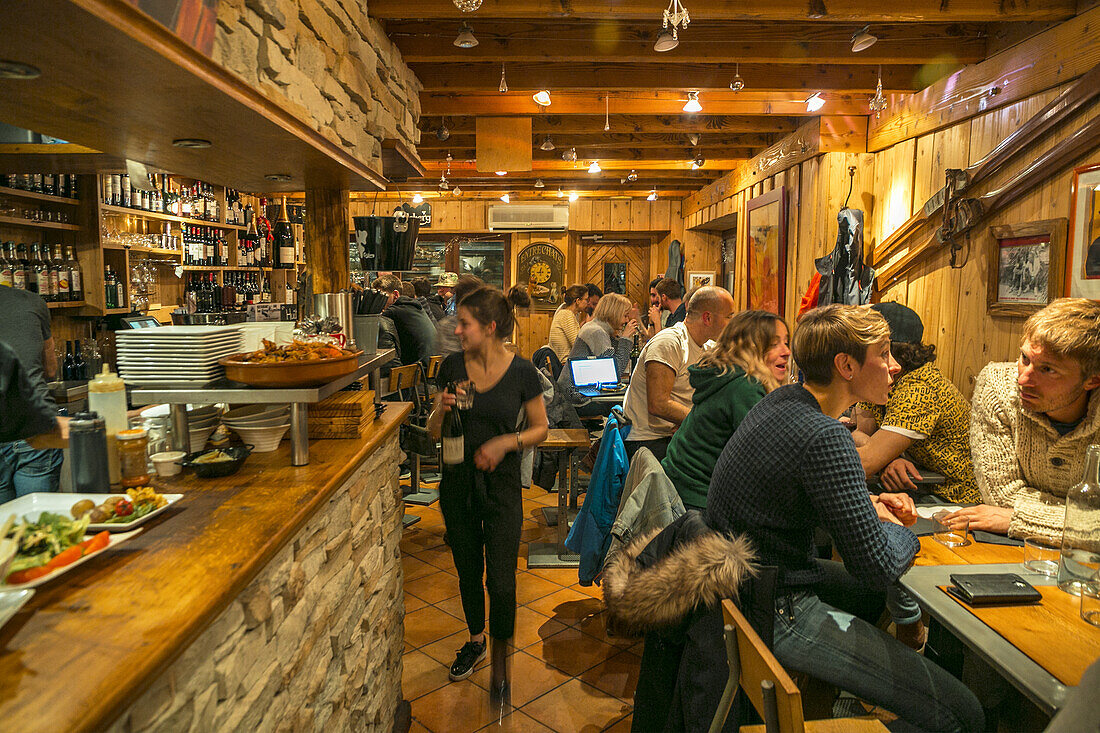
(700, 571)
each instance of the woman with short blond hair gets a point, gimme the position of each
(610, 333)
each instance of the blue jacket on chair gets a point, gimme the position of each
(590, 535)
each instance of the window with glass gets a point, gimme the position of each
(484, 256)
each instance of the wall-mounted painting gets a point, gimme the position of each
(699, 279)
(614, 277)
(1025, 267)
(1083, 255)
(191, 20)
(766, 231)
(541, 265)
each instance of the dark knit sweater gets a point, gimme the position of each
(789, 468)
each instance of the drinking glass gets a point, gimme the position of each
(950, 532)
(464, 394)
(1090, 600)
(1041, 556)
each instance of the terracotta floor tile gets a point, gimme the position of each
(412, 603)
(562, 576)
(445, 649)
(416, 727)
(433, 588)
(453, 606)
(429, 624)
(438, 556)
(572, 652)
(593, 591)
(517, 722)
(618, 676)
(455, 708)
(421, 674)
(576, 708)
(532, 627)
(623, 726)
(567, 606)
(539, 533)
(414, 568)
(596, 626)
(531, 587)
(531, 677)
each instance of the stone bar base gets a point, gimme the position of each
(314, 642)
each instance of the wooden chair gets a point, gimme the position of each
(433, 365)
(769, 688)
(404, 382)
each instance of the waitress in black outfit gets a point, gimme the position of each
(481, 498)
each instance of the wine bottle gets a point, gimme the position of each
(76, 276)
(80, 366)
(19, 268)
(6, 267)
(69, 362)
(60, 277)
(284, 240)
(453, 436)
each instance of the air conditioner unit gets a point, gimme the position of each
(528, 217)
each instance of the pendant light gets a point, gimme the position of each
(666, 41)
(561, 194)
(607, 113)
(503, 82)
(502, 173)
(878, 102)
(675, 15)
(506, 198)
(698, 162)
(547, 144)
(738, 83)
(815, 102)
(467, 6)
(443, 133)
(465, 37)
(542, 98)
(692, 105)
(595, 167)
(652, 195)
(570, 155)
(863, 40)
(573, 195)
(632, 176)
(417, 198)
(456, 191)
(539, 183)
(443, 184)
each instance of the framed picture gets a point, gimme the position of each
(766, 232)
(1025, 266)
(1083, 254)
(541, 265)
(614, 277)
(699, 279)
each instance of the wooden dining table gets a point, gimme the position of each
(1042, 649)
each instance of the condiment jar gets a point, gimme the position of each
(132, 459)
(88, 454)
(107, 398)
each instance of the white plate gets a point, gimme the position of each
(182, 362)
(194, 412)
(32, 505)
(180, 331)
(170, 382)
(11, 601)
(115, 540)
(171, 373)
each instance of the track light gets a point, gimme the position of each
(539, 183)
(547, 144)
(815, 102)
(863, 40)
(692, 105)
(465, 38)
(595, 167)
(738, 83)
(652, 195)
(502, 173)
(503, 82)
(573, 195)
(542, 98)
(506, 198)
(665, 42)
(417, 198)
(698, 163)
(569, 155)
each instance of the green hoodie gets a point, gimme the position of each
(719, 404)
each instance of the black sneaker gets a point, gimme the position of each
(468, 656)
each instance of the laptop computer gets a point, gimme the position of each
(596, 377)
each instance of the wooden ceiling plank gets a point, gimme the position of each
(611, 141)
(561, 165)
(556, 124)
(682, 152)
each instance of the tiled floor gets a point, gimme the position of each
(567, 674)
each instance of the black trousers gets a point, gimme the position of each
(658, 447)
(484, 516)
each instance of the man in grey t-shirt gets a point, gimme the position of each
(25, 329)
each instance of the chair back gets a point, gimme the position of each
(545, 358)
(433, 365)
(768, 686)
(404, 381)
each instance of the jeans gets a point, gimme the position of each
(823, 631)
(903, 609)
(25, 470)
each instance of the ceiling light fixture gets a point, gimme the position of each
(573, 195)
(443, 184)
(815, 102)
(506, 198)
(442, 132)
(467, 6)
(503, 82)
(607, 113)
(675, 15)
(698, 163)
(878, 102)
(456, 191)
(465, 38)
(539, 183)
(694, 139)
(547, 144)
(542, 97)
(738, 83)
(194, 143)
(595, 167)
(18, 71)
(692, 105)
(561, 194)
(652, 195)
(569, 155)
(277, 177)
(666, 41)
(632, 176)
(417, 198)
(863, 40)
(502, 173)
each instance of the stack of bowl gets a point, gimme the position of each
(202, 421)
(262, 426)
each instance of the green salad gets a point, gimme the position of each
(51, 535)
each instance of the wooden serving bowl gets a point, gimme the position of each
(312, 373)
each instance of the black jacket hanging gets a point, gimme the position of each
(845, 278)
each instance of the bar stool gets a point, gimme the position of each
(404, 382)
(554, 554)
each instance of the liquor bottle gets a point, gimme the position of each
(59, 281)
(36, 283)
(19, 266)
(6, 266)
(266, 235)
(249, 245)
(1081, 533)
(69, 363)
(291, 295)
(284, 240)
(453, 436)
(634, 354)
(228, 292)
(49, 184)
(208, 247)
(64, 276)
(76, 276)
(238, 289)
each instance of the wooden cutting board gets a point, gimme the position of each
(345, 404)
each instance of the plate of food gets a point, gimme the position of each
(36, 552)
(11, 601)
(298, 364)
(111, 512)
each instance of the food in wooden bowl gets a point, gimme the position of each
(300, 364)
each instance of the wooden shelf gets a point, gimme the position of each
(219, 268)
(142, 214)
(67, 304)
(16, 221)
(116, 311)
(34, 195)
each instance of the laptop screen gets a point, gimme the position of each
(588, 372)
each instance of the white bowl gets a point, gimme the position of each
(168, 463)
(203, 422)
(199, 436)
(260, 419)
(255, 411)
(263, 440)
(267, 422)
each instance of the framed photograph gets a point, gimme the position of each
(699, 279)
(1082, 278)
(1025, 267)
(766, 231)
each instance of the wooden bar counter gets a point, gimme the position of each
(267, 600)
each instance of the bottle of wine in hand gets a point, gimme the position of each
(453, 436)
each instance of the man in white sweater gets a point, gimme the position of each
(1032, 421)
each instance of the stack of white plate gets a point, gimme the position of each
(173, 355)
(261, 426)
(202, 421)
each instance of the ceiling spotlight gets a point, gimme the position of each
(738, 83)
(417, 198)
(692, 105)
(542, 98)
(465, 37)
(194, 143)
(502, 173)
(652, 195)
(18, 71)
(595, 167)
(698, 163)
(467, 6)
(456, 191)
(694, 139)
(573, 195)
(443, 184)
(666, 41)
(442, 132)
(539, 183)
(560, 192)
(863, 40)
(632, 176)
(276, 177)
(569, 155)
(547, 144)
(503, 82)
(506, 198)
(815, 102)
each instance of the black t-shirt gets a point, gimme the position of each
(677, 316)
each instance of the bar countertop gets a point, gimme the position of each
(87, 644)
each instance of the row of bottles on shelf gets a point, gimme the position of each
(166, 196)
(74, 367)
(204, 246)
(113, 293)
(57, 278)
(54, 184)
(236, 291)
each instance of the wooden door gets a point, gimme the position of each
(634, 254)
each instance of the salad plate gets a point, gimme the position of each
(114, 540)
(31, 506)
(11, 601)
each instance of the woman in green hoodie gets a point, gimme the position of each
(747, 361)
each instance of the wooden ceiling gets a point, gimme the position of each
(594, 55)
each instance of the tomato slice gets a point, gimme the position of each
(70, 555)
(95, 544)
(25, 576)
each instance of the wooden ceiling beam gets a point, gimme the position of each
(561, 165)
(516, 41)
(462, 77)
(599, 152)
(611, 141)
(555, 124)
(857, 11)
(785, 104)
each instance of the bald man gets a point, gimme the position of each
(659, 396)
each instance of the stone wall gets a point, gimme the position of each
(327, 62)
(314, 642)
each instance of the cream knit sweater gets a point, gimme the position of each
(563, 332)
(1020, 461)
